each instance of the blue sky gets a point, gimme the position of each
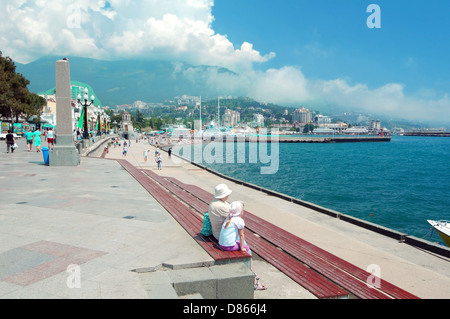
(330, 38)
(317, 53)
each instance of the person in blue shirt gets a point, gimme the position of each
(29, 136)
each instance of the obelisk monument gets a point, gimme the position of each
(64, 153)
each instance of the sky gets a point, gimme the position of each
(389, 59)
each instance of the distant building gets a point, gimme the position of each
(301, 115)
(259, 119)
(126, 125)
(231, 118)
(335, 128)
(321, 119)
(357, 130)
(182, 108)
(374, 126)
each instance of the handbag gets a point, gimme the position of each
(206, 228)
(15, 146)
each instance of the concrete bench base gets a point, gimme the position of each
(229, 281)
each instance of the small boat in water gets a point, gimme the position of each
(442, 227)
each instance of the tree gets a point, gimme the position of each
(15, 99)
(308, 128)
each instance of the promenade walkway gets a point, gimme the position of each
(98, 217)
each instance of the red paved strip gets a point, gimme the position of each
(67, 255)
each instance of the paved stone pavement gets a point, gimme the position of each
(80, 232)
(95, 221)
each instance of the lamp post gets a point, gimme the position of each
(99, 127)
(85, 104)
(104, 121)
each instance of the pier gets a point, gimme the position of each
(441, 134)
(306, 139)
(335, 139)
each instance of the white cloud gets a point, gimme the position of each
(289, 85)
(118, 29)
(389, 100)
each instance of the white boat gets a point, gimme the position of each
(442, 227)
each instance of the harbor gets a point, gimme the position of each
(427, 133)
(279, 139)
(334, 139)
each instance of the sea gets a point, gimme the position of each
(398, 184)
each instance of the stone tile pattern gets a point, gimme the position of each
(49, 259)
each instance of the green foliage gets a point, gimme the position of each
(15, 99)
(308, 128)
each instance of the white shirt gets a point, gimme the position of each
(218, 212)
(229, 235)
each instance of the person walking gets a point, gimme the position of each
(29, 137)
(50, 138)
(37, 140)
(159, 161)
(145, 155)
(10, 141)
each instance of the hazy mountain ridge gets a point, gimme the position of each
(127, 81)
(122, 82)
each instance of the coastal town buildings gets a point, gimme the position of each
(231, 118)
(301, 115)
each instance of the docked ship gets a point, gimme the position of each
(443, 229)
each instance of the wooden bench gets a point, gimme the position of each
(188, 219)
(300, 273)
(343, 273)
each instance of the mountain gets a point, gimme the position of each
(123, 82)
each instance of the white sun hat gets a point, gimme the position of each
(236, 208)
(221, 191)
